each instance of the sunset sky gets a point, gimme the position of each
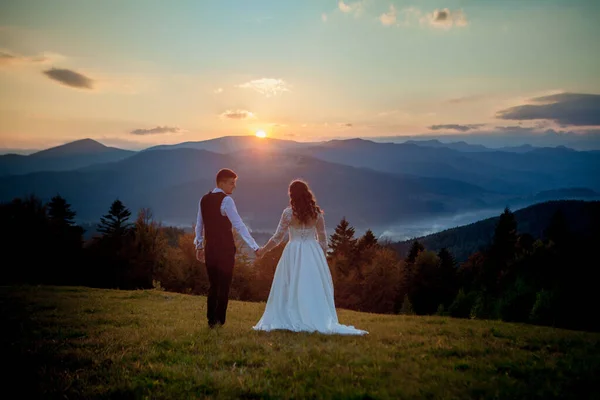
(134, 73)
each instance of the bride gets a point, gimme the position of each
(301, 297)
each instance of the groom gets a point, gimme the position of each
(217, 214)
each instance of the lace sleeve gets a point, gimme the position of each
(321, 233)
(282, 228)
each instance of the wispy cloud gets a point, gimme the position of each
(9, 58)
(563, 108)
(389, 18)
(439, 18)
(70, 78)
(466, 99)
(456, 127)
(157, 131)
(515, 129)
(267, 86)
(445, 19)
(355, 8)
(218, 91)
(237, 114)
(324, 17)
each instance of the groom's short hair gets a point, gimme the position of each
(224, 174)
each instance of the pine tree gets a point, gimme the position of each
(447, 262)
(59, 211)
(414, 251)
(66, 242)
(342, 241)
(408, 273)
(367, 241)
(112, 264)
(21, 221)
(505, 237)
(447, 277)
(501, 256)
(115, 222)
(343, 246)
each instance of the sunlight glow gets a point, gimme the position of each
(261, 134)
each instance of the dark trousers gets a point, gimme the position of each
(219, 266)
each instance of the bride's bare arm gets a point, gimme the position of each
(282, 227)
(321, 233)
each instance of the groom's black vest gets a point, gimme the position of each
(218, 234)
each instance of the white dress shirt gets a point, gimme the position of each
(229, 210)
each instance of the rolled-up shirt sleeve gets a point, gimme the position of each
(228, 205)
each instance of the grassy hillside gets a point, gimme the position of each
(73, 342)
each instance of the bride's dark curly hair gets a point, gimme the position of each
(303, 202)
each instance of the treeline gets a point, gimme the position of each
(516, 277)
(465, 240)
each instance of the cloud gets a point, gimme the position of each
(563, 108)
(218, 91)
(515, 129)
(445, 19)
(70, 78)
(237, 114)
(324, 17)
(157, 131)
(456, 127)
(267, 86)
(346, 8)
(8, 58)
(389, 18)
(466, 99)
(355, 8)
(387, 113)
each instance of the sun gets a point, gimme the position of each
(261, 134)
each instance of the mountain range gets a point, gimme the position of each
(374, 185)
(66, 157)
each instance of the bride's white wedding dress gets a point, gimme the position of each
(301, 297)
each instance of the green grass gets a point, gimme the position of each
(72, 342)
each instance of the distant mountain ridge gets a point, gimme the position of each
(373, 184)
(69, 156)
(231, 144)
(172, 181)
(502, 171)
(467, 147)
(83, 146)
(460, 146)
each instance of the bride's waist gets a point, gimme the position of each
(302, 239)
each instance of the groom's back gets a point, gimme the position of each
(217, 227)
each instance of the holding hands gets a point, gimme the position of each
(200, 255)
(259, 252)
